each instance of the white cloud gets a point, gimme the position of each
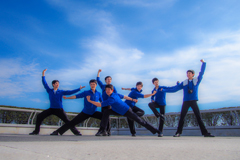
(17, 78)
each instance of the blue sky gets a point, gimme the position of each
(130, 40)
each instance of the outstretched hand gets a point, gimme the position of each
(99, 70)
(88, 98)
(81, 87)
(64, 97)
(154, 92)
(178, 82)
(135, 100)
(202, 60)
(123, 88)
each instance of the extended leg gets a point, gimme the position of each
(199, 119)
(62, 115)
(184, 111)
(78, 119)
(40, 117)
(130, 114)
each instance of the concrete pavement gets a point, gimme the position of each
(69, 147)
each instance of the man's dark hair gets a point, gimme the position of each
(154, 79)
(109, 86)
(108, 77)
(93, 81)
(54, 81)
(190, 70)
(139, 83)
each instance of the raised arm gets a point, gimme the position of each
(98, 79)
(200, 76)
(93, 102)
(44, 82)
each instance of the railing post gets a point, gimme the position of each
(35, 112)
(30, 117)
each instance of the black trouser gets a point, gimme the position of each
(194, 106)
(78, 119)
(109, 120)
(153, 106)
(129, 114)
(57, 112)
(131, 125)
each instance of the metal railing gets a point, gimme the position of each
(234, 112)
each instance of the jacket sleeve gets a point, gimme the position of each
(121, 96)
(115, 91)
(44, 82)
(100, 83)
(81, 95)
(173, 89)
(108, 102)
(201, 72)
(71, 92)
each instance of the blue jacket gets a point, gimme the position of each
(134, 94)
(56, 99)
(192, 85)
(116, 103)
(160, 97)
(102, 86)
(89, 108)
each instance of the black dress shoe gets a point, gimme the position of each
(209, 135)
(133, 135)
(55, 133)
(33, 133)
(160, 134)
(109, 133)
(177, 135)
(101, 133)
(78, 134)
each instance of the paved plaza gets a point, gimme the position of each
(67, 147)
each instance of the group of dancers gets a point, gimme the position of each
(111, 103)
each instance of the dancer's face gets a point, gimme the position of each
(139, 87)
(190, 75)
(55, 85)
(93, 85)
(109, 91)
(156, 83)
(108, 80)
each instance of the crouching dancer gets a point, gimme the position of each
(118, 108)
(56, 107)
(190, 98)
(89, 110)
(135, 94)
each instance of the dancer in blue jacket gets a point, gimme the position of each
(158, 100)
(135, 94)
(56, 107)
(190, 98)
(108, 80)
